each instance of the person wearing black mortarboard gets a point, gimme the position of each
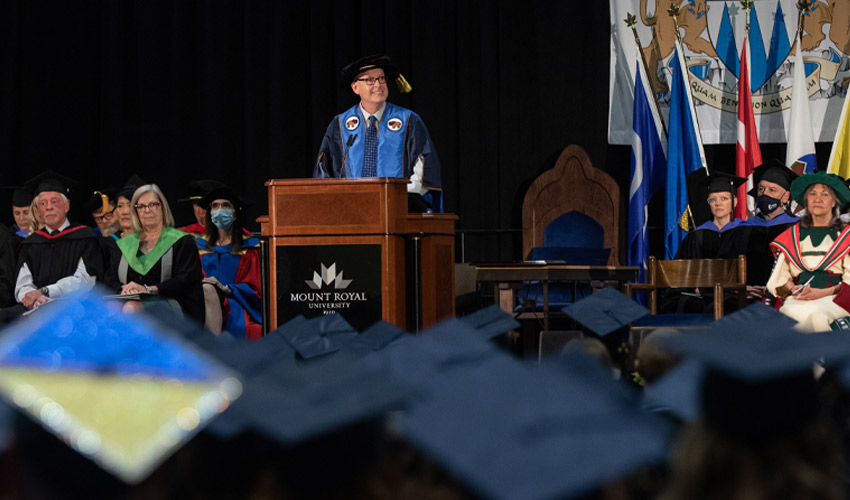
(752, 237)
(378, 139)
(812, 269)
(231, 263)
(705, 241)
(197, 189)
(21, 201)
(101, 206)
(61, 258)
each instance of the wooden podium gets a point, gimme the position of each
(348, 246)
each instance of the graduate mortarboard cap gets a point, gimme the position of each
(382, 61)
(51, 181)
(605, 311)
(491, 321)
(223, 193)
(800, 184)
(293, 404)
(508, 430)
(119, 389)
(21, 197)
(759, 378)
(197, 189)
(130, 187)
(100, 199)
(773, 171)
(720, 182)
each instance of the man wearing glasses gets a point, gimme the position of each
(101, 206)
(60, 258)
(378, 139)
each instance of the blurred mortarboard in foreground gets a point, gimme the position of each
(491, 321)
(753, 313)
(50, 181)
(100, 199)
(130, 187)
(296, 403)
(121, 390)
(677, 392)
(196, 189)
(759, 379)
(509, 430)
(605, 311)
(374, 338)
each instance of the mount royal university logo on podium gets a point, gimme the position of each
(330, 291)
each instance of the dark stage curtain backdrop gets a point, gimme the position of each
(242, 91)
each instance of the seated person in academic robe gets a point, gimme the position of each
(752, 237)
(197, 189)
(101, 206)
(812, 270)
(8, 266)
(231, 264)
(704, 242)
(60, 258)
(21, 201)
(158, 260)
(124, 208)
(378, 139)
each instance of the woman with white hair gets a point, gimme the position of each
(158, 259)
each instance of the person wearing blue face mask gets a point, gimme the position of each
(231, 264)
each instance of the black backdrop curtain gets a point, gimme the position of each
(242, 91)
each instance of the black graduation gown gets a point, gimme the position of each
(8, 247)
(51, 258)
(753, 241)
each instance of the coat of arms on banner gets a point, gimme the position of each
(712, 34)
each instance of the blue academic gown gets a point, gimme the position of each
(402, 139)
(240, 272)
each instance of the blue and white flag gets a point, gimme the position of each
(649, 162)
(684, 155)
(801, 141)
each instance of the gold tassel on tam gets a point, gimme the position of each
(403, 86)
(104, 201)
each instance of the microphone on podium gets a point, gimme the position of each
(348, 144)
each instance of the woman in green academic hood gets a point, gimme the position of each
(158, 261)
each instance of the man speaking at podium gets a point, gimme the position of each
(379, 139)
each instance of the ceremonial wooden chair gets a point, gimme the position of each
(721, 275)
(572, 185)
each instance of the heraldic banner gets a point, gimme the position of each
(712, 34)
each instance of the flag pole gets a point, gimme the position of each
(673, 11)
(631, 22)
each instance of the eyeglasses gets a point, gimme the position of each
(150, 206)
(107, 216)
(224, 204)
(373, 80)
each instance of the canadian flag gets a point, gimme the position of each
(748, 152)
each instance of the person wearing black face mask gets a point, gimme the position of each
(231, 264)
(754, 235)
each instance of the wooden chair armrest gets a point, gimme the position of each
(641, 287)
